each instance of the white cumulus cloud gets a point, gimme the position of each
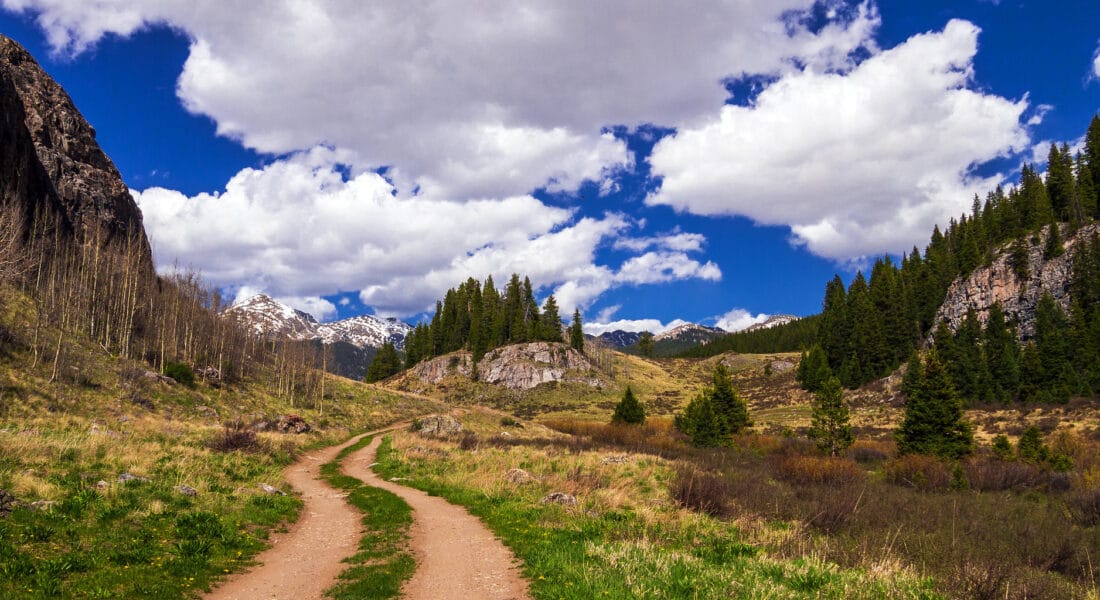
(653, 326)
(855, 162)
(738, 319)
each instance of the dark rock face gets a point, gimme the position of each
(50, 163)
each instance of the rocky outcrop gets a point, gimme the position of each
(518, 367)
(997, 283)
(437, 426)
(51, 164)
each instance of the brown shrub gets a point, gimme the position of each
(868, 452)
(1084, 506)
(818, 470)
(993, 475)
(235, 436)
(701, 491)
(468, 441)
(919, 471)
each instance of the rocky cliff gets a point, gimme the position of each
(50, 163)
(518, 367)
(998, 283)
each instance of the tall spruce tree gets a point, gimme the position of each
(629, 410)
(813, 369)
(576, 332)
(645, 344)
(701, 422)
(550, 329)
(1002, 355)
(386, 363)
(731, 408)
(933, 423)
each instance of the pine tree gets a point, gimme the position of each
(911, 381)
(1030, 447)
(629, 410)
(576, 332)
(1053, 247)
(1092, 155)
(1001, 355)
(813, 369)
(645, 344)
(550, 329)
(731, 408)
(1020, 258)
(833, 330)
(933, 422)
(867, 342)
(831, 429)
(386, 363)
(701, 423)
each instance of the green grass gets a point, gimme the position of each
(384, 561)
(138, 539)
(577, 554)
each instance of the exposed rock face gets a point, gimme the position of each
(7, 503)
(50, 163)
(435, 426)
(1018, 298)
(518, 367)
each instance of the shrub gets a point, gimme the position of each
(701, 491)
(468, 441)
(1084, 506)
(629, 410)
(999, 475)
(181, 372)
(868, 452)
(235, 436)
(819, 470)
(510, 422)
(918, 471)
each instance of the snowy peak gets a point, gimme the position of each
(273, 319)
(364, 331)
(773, 321)
(689, 332)
(619, 338)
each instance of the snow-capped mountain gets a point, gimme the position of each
(773, 321)
(619, 338)
(273, 319)
(689, 333)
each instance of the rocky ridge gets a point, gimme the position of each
(998, 283)
(50, 163)
(274, 320)
(517, 367)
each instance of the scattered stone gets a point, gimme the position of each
(615, 459)
(438, 426)
(152, 376)
(102, 485)
(505, 434)
(518, 476)
(44, 505)
(292, 424)
(398, 478)
(8, 503)
(124, 477)
(97, 430)
(143, 402)
(781, 366)
(274, 491)
(559, 498)
(209, 373)
(187, 490)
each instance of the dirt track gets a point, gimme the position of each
(457, 557)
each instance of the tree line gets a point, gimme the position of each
(788, 337)
(479, 318)
(868, 329)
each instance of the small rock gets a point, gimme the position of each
(292, 424)
(559, 498)
(518, 476)
(781, 366)
(7, 502)
(274, 491)
(102, 485)
(187, 490)
(438, 426)
(124, 477)
(43, 505)
(505, 434)
(615, 459)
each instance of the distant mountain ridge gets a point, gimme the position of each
(772, 321)
(273, 319)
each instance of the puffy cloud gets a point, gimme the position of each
(738, 319)
(682, 242)
(299, 229)
(1096, 63)
(855, 162)
(460, 101)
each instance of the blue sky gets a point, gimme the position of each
(644, 163)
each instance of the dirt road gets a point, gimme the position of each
(456, 556)
(305, 561)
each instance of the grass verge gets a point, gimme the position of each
(384, 561)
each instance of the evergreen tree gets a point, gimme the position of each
(813, 369)
(1030, 448)
(833, 330)
(1060, 181)
(1053, 247)
(1001, 355)
(576, 332)
(645, 344)
(867, 342)
(629, 410)
(1020, 259)
(1092, 155)
(551, 321)
(701, 423)
(385, 364)
(911, 381)
(728, 404)
(831, 429)
(933, 422)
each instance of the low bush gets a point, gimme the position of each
(867, 452)
(997, 475)
(1084, 506)
(181, 372)
(918, 471)
(701, 491)
(818, 470)
(235, 436)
